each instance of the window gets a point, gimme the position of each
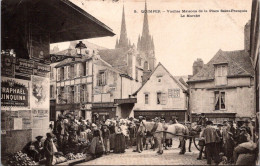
(220, 103)
(221, 75)
(159, 78)
(51, 91)
(146, 96)
(68, 72)
(101, 78)
(84, 93)
(159, 97)
(77, 94)
(75, 70)
(62, 73)
(65, 73)
(164, 99)
(51, 74)
(71, 94)
(72, 72)
(173, 93)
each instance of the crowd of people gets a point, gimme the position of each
(225, 141)
(221, 142)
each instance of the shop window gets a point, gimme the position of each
(101, 78)
(159, 97)
(146, 96)
(220, 101)
(221, 75)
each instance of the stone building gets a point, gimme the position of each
(224, 88)
(162, 95)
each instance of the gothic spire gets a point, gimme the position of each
(145, 23)
(123, 40)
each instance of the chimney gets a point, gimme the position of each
(247, 36)
(197, 65)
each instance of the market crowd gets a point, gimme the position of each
(222, 143)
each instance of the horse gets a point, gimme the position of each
(161, 132)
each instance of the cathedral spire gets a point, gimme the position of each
(123, 40)
(145, 23)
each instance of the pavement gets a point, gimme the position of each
(150, 157)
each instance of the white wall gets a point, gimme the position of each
(153, 86)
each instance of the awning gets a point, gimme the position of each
(103, 105)
(125, 101)
(63, 20)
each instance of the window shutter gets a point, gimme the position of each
(58, 74)
(87, 65)
(75, 71)
(68, 72)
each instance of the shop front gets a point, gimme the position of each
(125, 106)
(167, 114)
(103, 111)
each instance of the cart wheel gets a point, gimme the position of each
(196, 143)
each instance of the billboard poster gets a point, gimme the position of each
(14, 92)
(40, 92)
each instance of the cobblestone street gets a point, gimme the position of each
(150, 157)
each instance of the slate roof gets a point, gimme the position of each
(115, 57)
(239, 65)
(177, 79)
(70, 61)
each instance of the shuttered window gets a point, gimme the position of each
(221, 75)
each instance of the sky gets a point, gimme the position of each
(178, 41)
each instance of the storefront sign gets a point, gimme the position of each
(100, 105)
(14, 92)
(7, 65)
(26, 118)
(125, 101)
(41, 69)
(24, 68)
(40, 92)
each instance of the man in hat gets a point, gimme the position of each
(48, 149)
(105, 136)
(39, 147)
(246, 126)
(202, 119)
(210, 135)
(139, 135)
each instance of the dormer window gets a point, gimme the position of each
(221, 74)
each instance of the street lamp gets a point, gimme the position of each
(80, 46)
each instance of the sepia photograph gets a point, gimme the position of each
(129, 82)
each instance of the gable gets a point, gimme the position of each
(167, 79)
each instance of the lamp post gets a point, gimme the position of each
(79, 47)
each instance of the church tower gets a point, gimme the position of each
(123, 41)
(145, 44)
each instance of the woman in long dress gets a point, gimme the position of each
(119, 139)
(97, 146)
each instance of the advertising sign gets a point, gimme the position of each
(40, 92)
(7, 65)
(14, 92)
(41, 69)
(24, 68)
